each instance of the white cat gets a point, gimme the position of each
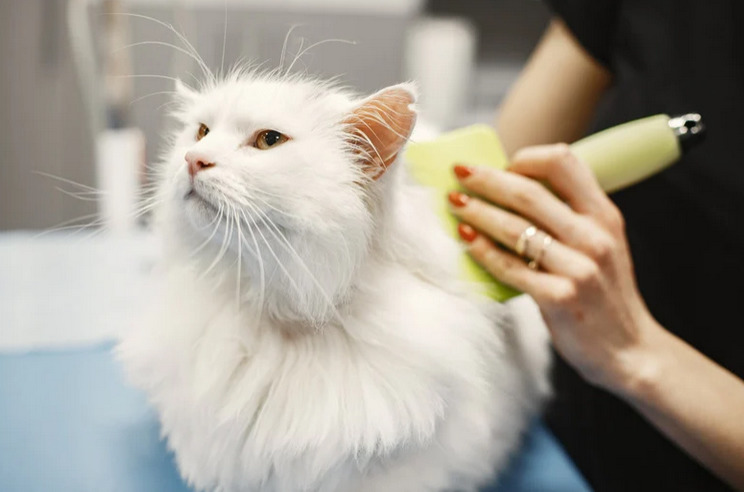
(312, 333)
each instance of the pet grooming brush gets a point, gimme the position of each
(619, 156)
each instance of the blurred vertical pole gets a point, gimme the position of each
(84, 60)
(120, 148)
(117, 65)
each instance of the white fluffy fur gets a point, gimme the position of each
(352, 361)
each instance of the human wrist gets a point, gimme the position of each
(640, 368)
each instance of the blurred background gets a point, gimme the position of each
(85, 83)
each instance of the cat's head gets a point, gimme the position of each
(281, 177)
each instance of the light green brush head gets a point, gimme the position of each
(430, 164)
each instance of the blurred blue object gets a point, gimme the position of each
(68, 423)
(540, 466)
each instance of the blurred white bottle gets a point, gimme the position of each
(120, 167)
(440, 57)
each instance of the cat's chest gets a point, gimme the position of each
(277, 393)
(384, 377)
(252, 401)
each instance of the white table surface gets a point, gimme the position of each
(62, 289)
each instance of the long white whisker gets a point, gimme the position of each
(281, 266)
(94, 232)
(239, 273)
(78, 228)
(167, 103)
(145, 208)
(205, 69)
(146, 75)
(158, 43)
(149, 202)
(184, 40)
(196, 79)
(261, 270)
(299, 50)
(224, 43)
(96, 224)
(216, 219)
(65, 180)
(64, 225)
(302, 52)
(75, 195)
(136, 100)
(288, 246)
(266, 193)
(87, 193)
(256, 192)
(284, 45)
(225, 242)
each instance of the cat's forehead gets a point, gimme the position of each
(262, 100)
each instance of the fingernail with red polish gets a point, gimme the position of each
(466, 232)
(458, 199)
(463, 172)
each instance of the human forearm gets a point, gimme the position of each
(698, 404)
(555, 97)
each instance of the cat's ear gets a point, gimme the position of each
(184, 92)
(380, 125)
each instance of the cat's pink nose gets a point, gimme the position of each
(197, 162)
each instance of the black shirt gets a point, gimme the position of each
(685, 226)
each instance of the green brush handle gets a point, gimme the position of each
(619, 156)
(626, 154)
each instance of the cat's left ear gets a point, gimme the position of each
(184, 92)
(381, 124)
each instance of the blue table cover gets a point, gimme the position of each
(68, 423)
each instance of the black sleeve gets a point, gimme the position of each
(592, 22)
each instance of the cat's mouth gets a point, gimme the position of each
(206, 209)
(199, 200)
(192, 194)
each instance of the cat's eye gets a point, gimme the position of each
(269, 138)
(202, 132)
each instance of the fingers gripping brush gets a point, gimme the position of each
(619, 156)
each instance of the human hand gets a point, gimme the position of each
(584, 283)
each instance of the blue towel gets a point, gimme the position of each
(68, 423)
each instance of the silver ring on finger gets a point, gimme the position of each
(524, 240)
(534, 263)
